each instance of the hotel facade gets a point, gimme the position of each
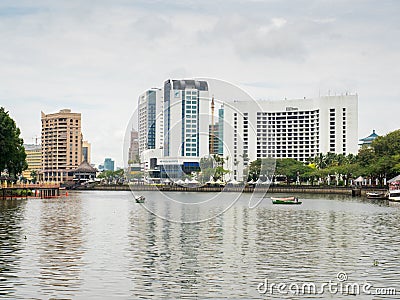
(298, 129)
(244, 130)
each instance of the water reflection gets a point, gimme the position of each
(228, 256)
(11, 245)
(61, 247)
(104, 245)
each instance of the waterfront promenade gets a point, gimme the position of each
(352, 191)
(42, 190)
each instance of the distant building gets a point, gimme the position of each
(150, 135)
(61, 144)
(213, 138)
(134, 147)
(216, 133)
(108, 164)
(367, 141)
(33, 159)
(86, 151)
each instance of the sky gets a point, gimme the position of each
(97, 57)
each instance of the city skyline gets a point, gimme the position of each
(91, 59)
(247, 129)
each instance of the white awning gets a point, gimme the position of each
(359, 179)
(397, 178)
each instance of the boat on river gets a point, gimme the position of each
(394, 188)
(377, 195)
(140, 199)
(394, 195)
(286, 200)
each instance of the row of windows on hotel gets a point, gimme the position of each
(189, 111)
(332, 130)
(263, 151)
(60, 120)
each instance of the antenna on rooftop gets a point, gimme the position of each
(212, 124)
(36, 138)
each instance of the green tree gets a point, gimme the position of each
(291, 168)
(112, 176)
(207, 169)
(387, 145)
(219, 170)
(12, 151)
(33, 176)
(254, 170)
(382, 159)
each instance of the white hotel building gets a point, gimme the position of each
(298, 129)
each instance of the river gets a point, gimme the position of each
(103, 245)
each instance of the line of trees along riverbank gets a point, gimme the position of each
(379, 161)
(216, 189)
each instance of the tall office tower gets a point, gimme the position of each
(61, 144)
(86, 151)
(151, 120)
(133, 155)
(186, 118)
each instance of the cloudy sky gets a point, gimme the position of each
(96, 57)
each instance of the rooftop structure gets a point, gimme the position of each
(367, 141)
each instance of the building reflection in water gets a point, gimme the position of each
(61, 247)
(11, 245)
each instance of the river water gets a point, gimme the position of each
(103, 245)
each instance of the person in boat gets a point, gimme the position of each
(296, 199)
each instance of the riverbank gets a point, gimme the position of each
(351, 191)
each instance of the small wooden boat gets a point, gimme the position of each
(287, 200)
(140, 199)
(377, 195)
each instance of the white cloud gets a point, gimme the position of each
(97, 59)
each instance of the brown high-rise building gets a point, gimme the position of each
(61, 144)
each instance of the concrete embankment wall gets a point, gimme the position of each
(271, 189)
